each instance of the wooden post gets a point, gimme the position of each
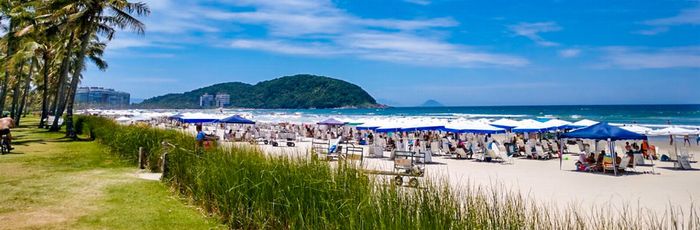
(142, 159)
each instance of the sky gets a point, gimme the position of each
(404, 52)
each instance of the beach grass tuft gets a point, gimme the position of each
(247, 189)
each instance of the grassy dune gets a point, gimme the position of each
(49, 182)
(247, 189)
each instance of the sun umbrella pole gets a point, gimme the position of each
(611, 145)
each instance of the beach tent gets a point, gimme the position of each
(371, 125)
(198, 118)
(529, 125)
(331, 122)
(505, 123)
(637, 129)
(390, 127)
(236, 119)
(558, 124)
(673, 130)
(472, 127)
(583, 123)
(123, 119)
(603, 131)
(421, 125)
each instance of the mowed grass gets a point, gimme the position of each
(49, 182)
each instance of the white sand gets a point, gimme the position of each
(543, 181)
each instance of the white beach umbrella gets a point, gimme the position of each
(505, 122)
(673, 130)
(557, 123)
(466, 126)
(529, 125)
(584, 123)
(637, 129)
(123, 119)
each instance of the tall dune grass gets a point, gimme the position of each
(247, 189)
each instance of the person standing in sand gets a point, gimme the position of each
(6, 123)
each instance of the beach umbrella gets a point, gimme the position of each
(123, 119)
(583, 123)
(604, 131)
(331, 122)
(637, 129)
(472, 127)
(198, 118)
(557, 124)
(236, 119)
(673, 130)
(505, 123)
(529, 125)
(422, 125)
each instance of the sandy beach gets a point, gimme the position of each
(650, 188)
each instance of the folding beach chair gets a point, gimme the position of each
(435, 148)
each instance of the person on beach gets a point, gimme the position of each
(686, 139)
(6, 123)
(670, 137)
(201, 137)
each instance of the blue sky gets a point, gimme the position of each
(404, 52)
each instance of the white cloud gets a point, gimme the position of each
(419, 2)
(279, 46)
(689, 16)
(318, 28)
(653, 31)
(569, 53)
(652, 58)
(533, 30)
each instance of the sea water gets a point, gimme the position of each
(651, 115)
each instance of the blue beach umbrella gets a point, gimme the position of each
(604, 131)
(236, 119)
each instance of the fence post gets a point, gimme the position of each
(142, 159)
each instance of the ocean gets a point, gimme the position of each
(652, 115)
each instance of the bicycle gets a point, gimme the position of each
(4, 144)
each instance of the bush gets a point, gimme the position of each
(247, 189)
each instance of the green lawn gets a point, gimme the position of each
(49, 182)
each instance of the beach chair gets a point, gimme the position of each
(500, 153)
(520, 144)
(573, 149)
(435, 148)
(528, 151)
(683, 160)
(541, 154)
(445, 148)
(427, 157)
(460, 153)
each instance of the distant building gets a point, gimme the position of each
(98, 97)
(223, 100)
(218, 100)
(206, 100)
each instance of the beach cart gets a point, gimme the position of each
(287, 138)
(407, 165)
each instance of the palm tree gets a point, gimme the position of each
(97, 17)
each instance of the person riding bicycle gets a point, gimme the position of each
(6, 123)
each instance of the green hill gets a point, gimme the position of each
(298, 91)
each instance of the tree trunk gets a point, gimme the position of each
(77, 69)
(27, 82)
(15, 91)
(10, 51)
(45, 92)
(59, 101)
